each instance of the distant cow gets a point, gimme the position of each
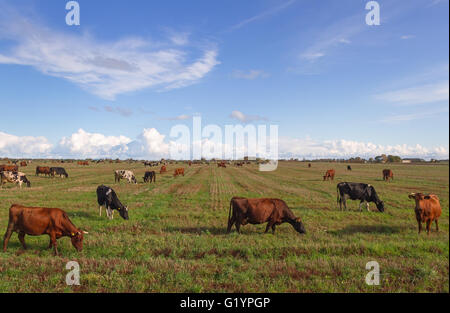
(23, 164)
(106, 197)
(150, 176)
(358, 191)
(309, 165)
(221, 164)
(125, 174)
(163, 169)
(43, 170)
(17, 178)
(349, 168)
(9, 168)
(257, 211)
(36, 221)
(58, 171)
(178, 171)
(428, 209)
(85, 163)
(329, 175)
(388, 174)
(190, 163)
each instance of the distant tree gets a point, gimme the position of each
(394, 159)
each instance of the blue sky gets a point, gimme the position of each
(130, 71)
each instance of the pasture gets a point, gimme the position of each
(176, 241)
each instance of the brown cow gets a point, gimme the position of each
(388, 174)
(36, 221)
(190, 163)
(163, 169)
(9, 168)
(43, 170)
(23, 163)
(221, 164)
(428, 209)
(309, 165)
(329, 175)
(257, 211)
(178, 171)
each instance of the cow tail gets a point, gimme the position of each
(338, 196)
(229, 212)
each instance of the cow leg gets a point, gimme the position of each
(420, 225)
(8, 234)
(50, 245)
(269, 224)
(230, 223)
(112, 214)
(428, 226)
(54, 243)
(360, 210)
(367, 206)
(22, 239)
(238, 227)
(273, 228)
(437, 226)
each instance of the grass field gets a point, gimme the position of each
(175, 239)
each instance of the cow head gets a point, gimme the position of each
(298, 226)
(123, 211)
(380, 206)
(77, 240)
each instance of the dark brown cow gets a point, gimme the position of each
(190, 163)
(388, 174)
(428, 209)
(221, 164)
(43, 170)
(309, 165)
(329, 175)
(257, 211)
(23, 163)
(9, 168)
(178, 171)
(37, 221)
(163, 169)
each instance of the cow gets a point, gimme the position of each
(309, 165)
(239, 164)
(17, 178)
(84, 163)
(150, 176)
(125, 174)
(358, 191)
(9, 168)
(349, 168)
(178, 171)
(388, 174)
(60, 171)
(107, 197)
(329, 175)
(257, 211)
(221, 164)
(23, 164)
(428, 209)
(42, 170)
(37, 221)
(190, 163)
(163, 169)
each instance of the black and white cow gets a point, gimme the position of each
(358, 191)
(14, 178)
(150, 176)
(58, 171)
(125, 174)
(106, 197)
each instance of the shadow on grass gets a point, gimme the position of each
(198, 230)
(366, 229)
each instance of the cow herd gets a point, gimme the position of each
(55, 223)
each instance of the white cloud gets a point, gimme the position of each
(244, 118)
(421, 94)
(23, 146)
(250, 75)
(404, 37)
(178, 118)
(105, 69)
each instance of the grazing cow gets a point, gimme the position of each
(43, 170)
(14, 178)
(257, 211)
(37, 221)
(125, 174)
(163, 169)
(358, 191)
(349, 168)
(309, 165)
(60, 171)
(107, 197)
(178, 171)
(85, 163)
(388, 174)
(221, 164)
(150, 176)
(428, 209)
(329, 175)
(9, 168)
(23, 164)
(239, 164)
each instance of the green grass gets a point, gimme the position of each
(175, 239)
